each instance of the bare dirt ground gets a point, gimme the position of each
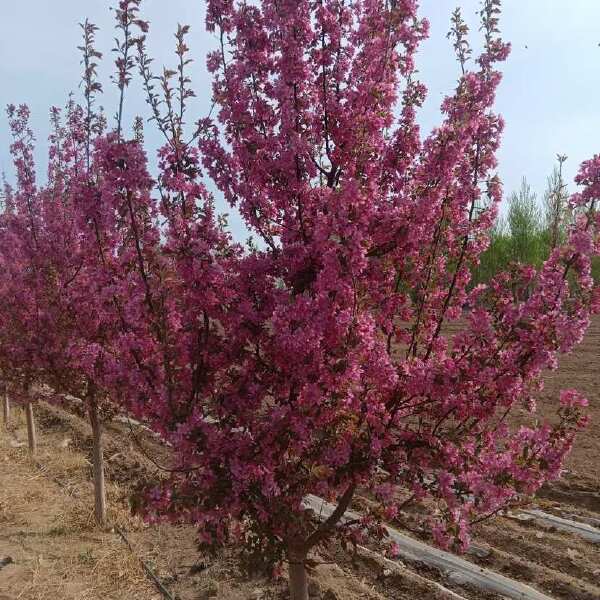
(47, 529)
(580, 370)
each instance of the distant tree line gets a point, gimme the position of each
(529, 230)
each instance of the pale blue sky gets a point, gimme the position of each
(549, 97)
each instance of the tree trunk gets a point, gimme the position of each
(31, 435)
(98, 465)
(298, 578)
(6, 410)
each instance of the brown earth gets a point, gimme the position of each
(48, 531)
(46, 523)
(580, 370)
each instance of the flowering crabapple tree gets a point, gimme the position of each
(333, 373)
(148, 261)
(41, 265)
(51, 325)
(38, 256)
(21, 264)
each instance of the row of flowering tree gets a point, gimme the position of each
(316, 360)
